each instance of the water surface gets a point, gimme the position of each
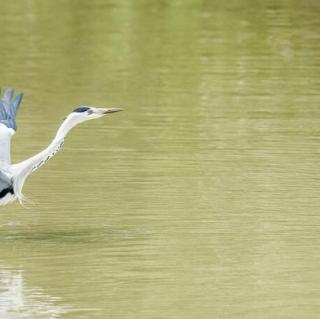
(201, 200)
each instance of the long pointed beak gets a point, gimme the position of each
(111, 110)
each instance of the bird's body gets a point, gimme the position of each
(6, 188)
(13, 176)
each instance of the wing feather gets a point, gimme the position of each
(9, 106)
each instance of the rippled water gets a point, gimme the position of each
(201, 200)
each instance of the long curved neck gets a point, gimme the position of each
(65, 127)
(23, 169)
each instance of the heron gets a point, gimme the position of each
(13, 176)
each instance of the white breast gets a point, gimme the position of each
(7, 199)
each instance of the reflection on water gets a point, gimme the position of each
(19, 301)
(200, 200)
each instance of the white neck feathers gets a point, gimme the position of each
(22, 170)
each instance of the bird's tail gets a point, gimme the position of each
(9, 106)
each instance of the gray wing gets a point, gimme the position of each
(6, 185)
(9, 106)
(8, 110)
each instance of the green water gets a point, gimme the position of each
(202, 199)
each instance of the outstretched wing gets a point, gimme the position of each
(9, 106)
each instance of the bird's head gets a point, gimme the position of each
(85, 113)
(82, 114)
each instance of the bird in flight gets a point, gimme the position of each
(13, 176)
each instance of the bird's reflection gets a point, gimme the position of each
(17, 300)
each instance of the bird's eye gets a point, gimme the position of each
(81, 109)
